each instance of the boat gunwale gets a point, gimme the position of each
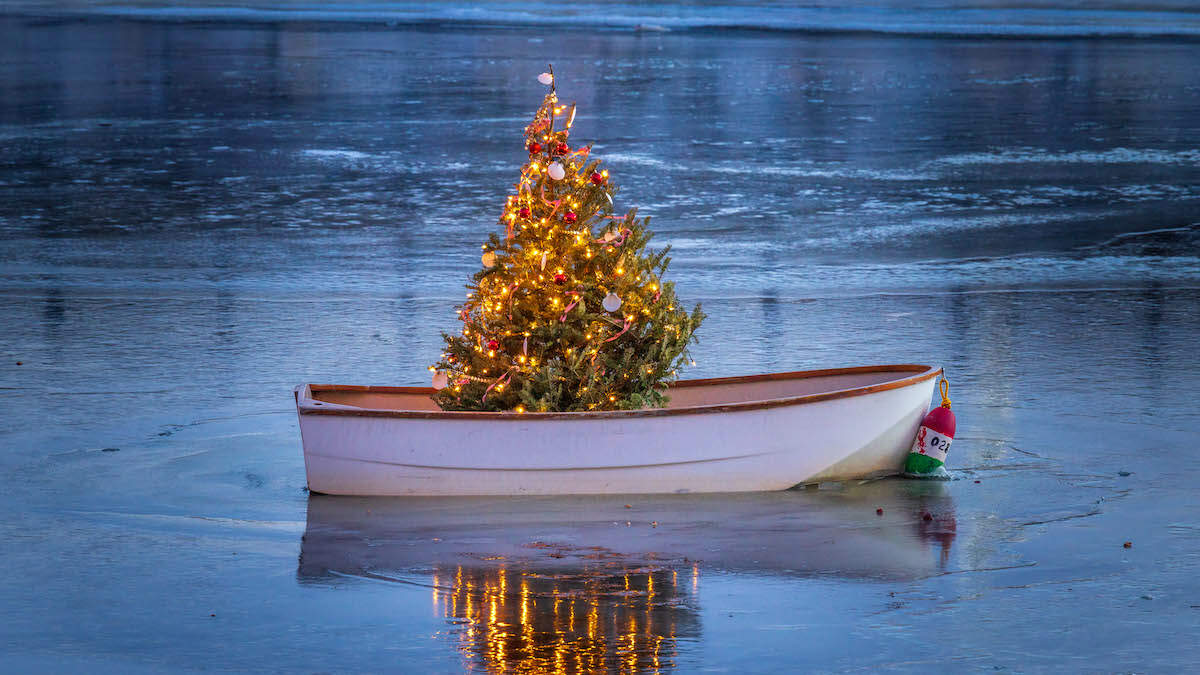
(308, 406)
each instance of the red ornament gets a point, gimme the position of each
(560, 278)
(524, 212)
(535, 148)
(597, 178)
(562, 148)
(569, 217)
(493, 345)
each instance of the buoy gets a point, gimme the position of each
(932, 444)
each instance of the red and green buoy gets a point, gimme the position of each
(932, 444)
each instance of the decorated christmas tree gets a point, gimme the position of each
(570, 311)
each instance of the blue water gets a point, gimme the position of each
(204, 206)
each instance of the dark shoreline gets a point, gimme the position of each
(260, 19)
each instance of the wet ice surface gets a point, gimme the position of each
(198, 217)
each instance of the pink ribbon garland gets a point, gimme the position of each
(623, 329)
(556, 203)
(578, 297)
(502, 378)
(512, 294)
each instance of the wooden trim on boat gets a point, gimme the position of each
(920, 374)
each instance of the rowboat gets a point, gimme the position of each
(729, 434)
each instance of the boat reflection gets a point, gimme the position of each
(586, 584)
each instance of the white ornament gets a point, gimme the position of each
(612, 302)
(488, 259)
(556, 171)
(545, 78)
(609, 235)
(440, 380)
(544, 254)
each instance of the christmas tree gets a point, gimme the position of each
(570, 311)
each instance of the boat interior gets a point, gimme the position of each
(684, 393)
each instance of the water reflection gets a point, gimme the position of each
(594, 618)
(591, 584)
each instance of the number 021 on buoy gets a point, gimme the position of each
(932, 444)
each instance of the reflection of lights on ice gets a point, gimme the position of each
(633, 618)
(436, 584)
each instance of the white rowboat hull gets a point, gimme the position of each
(762, 432)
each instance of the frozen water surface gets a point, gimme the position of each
(201, 210)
